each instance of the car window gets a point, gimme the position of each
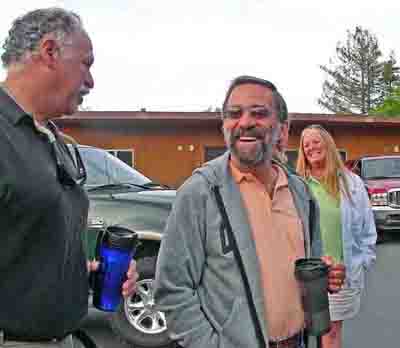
(103, 168)
(381, 168)
(120, 172)
(95, 164)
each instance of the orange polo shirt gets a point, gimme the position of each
(278, 235)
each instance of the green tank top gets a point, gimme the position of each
(330, 220)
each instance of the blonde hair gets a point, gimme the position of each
(334, 179)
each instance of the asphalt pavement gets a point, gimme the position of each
(377, 324)
(97, 326)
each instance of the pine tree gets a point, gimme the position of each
(356, 81)
(391, 74)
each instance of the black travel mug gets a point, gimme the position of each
(312, 275)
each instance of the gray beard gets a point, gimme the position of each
(263, 155)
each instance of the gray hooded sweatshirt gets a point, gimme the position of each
(198, 282)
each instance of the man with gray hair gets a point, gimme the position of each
(43, 207)
(225, 271)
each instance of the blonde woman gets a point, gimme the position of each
(347, 225)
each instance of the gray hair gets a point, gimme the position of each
(280, 103)
(28, 30)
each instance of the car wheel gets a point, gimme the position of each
(136, 321)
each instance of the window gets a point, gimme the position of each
(120, 172)
(292, 157)
(343, 154)
(212, 152)
(103, 168)
(125, 155)
(95, 164)
(381, 168)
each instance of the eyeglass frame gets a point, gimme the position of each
(251, 109)
(240, 80)
(63, 175)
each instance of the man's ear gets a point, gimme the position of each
(48, 52)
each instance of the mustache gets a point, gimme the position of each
(84, 91)
(252, 133)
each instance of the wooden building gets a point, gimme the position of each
(168, 146)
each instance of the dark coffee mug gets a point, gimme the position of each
(312, 274)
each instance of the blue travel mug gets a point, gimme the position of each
(116, 248)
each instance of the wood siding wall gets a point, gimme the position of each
(169, 156)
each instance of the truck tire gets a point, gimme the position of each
(136, 321)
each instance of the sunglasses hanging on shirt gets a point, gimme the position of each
(70, 167)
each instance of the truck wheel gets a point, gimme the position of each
(136, 321)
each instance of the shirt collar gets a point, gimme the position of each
(240, 176)
(15, 113)
(10, 108)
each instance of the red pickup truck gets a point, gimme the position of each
(381, 175)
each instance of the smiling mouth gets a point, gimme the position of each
(247, 139)
(315, 154)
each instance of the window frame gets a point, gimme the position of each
(115, 152)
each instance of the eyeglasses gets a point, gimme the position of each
(257, 112)
(69, 173)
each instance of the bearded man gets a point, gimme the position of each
(225, 272)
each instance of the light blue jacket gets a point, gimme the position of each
(358, 232)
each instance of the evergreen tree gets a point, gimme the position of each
(391, 74)
(356, 79)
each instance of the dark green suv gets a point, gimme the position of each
(120, 195)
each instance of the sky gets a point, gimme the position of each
(180, 55)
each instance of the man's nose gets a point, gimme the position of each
(89, 81)
(246, 120)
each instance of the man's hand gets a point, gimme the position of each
(92, 266)
(129, 286)
(336, 275)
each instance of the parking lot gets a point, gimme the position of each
(376, 326)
